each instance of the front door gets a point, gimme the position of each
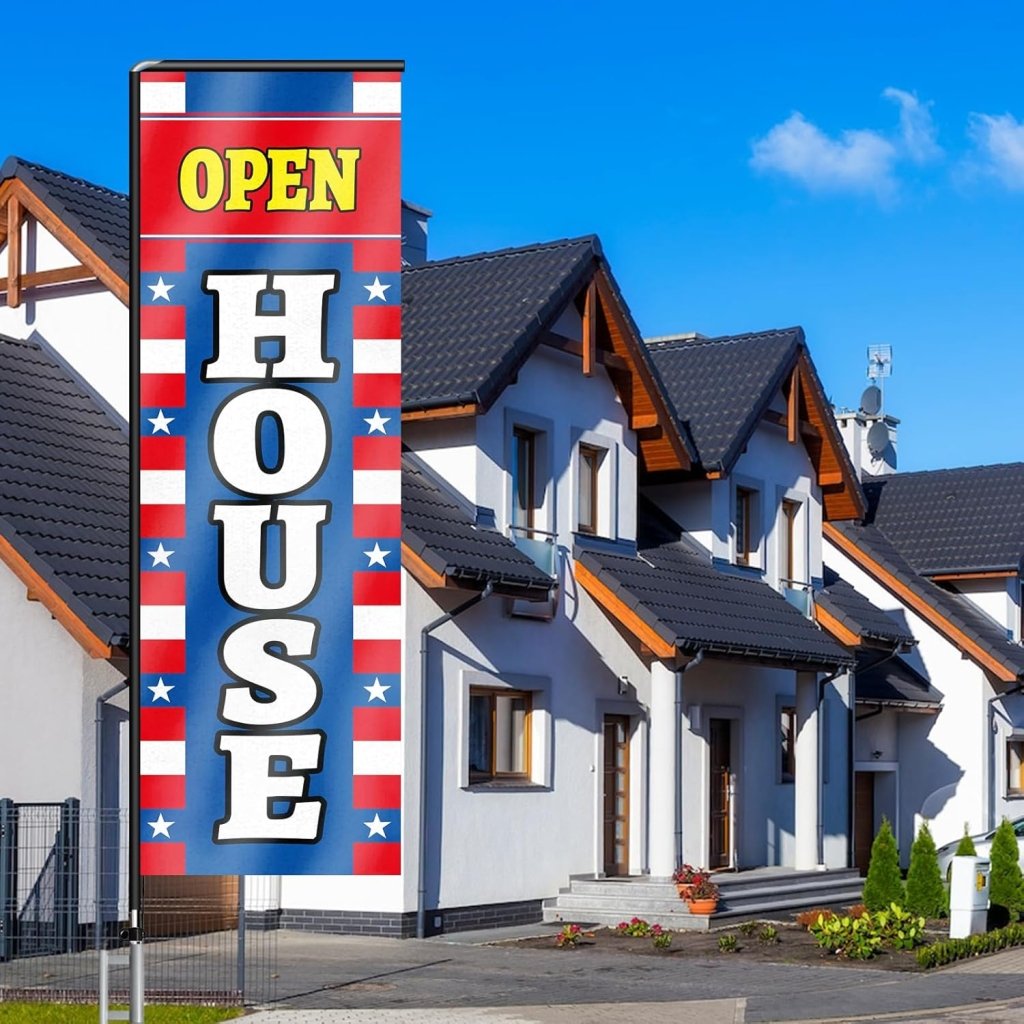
(616, 795)
(863, 819)
(721, 792)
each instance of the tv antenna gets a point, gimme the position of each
(879, 362)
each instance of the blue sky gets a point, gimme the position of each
(854, 168)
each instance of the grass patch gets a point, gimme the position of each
(53, 1013)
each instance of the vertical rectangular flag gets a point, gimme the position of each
(266, 327)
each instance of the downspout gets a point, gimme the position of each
(98, 825)
(421, 875)
(692, 663)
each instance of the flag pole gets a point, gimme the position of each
(134, 934)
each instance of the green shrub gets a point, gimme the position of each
(661, 938)
(1005, 882)
(768, 935)
(925, 892)
(949, 950)
(635, 928)
(883, 885)
(966, 847)
(727, 944)
(899, 928)
(748, 928)
(855, 938)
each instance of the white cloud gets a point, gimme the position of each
(862, 160)
(999, 141)
(917, 130)
(855, 161)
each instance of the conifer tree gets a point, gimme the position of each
(925, 892)
(966, 847)
(883, 884)
(1005, 882)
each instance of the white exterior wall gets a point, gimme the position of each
(946, 760)
(84, 322)
(49, 689)
(998, 598)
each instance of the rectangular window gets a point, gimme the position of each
(1015, 765)
(788, 563)
(744, 526)
(524, 477)
(590, 461)
(787, 744)
(499, 735)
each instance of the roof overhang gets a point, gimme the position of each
(17, 199)
(434, 577)
(931, 615)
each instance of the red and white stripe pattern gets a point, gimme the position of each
(162, 92)
(161, 588)
(376, 385)
(377, 92)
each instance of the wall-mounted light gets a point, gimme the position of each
(623, 685)
(876, 754)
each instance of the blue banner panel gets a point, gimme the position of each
(266, 416)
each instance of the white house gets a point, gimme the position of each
(941, 553)
(610, 547)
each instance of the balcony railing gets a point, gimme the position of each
(800, 595)
(537, 545)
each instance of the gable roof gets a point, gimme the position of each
(473, 320)
(440, 533)
(949, 521)
(721, 388)
(674, 598)
(96, 217)
(63, 494)
(955, 616)
(855, 613)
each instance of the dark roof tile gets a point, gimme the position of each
(441, 531)
(955, 608)
(97, 215)
(64, 485)
(469, 323)
(953, 520)
(857, 613)
(882, 679)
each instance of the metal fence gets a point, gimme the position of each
(64, 897)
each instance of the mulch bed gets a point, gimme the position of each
(795, 945)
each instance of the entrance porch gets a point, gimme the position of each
(772, 893)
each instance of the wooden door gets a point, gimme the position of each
(863, 819)
(719, 846)
(616, 795)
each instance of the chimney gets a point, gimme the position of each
(870, 438)
(414, 234)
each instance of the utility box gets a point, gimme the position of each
(968, 896)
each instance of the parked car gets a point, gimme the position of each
(983, 846)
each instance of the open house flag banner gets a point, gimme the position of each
(266, 316)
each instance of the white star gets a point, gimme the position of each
(376, 691)
(377, 290)
(376, 827)
(376, 556)
(160, 691)
(162, 827)
(161, 556)
(376, 422)
(160, 290)
(160, 422)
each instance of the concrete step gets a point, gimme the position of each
(640, 906)
(623, 890)
(803, 890)
(835, 898)
(677, 920)
(758, 880)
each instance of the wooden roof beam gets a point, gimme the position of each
(589, 328)
(13, 252)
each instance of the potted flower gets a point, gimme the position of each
(703, 897)
(686, 876)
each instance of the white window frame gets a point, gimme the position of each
(544, 489)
